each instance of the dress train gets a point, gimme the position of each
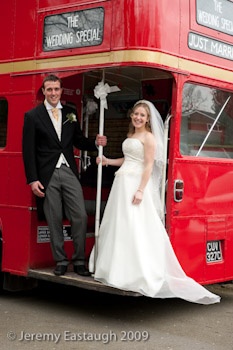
(134, 250)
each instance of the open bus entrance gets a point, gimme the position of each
(135, 83)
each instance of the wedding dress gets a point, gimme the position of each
(134, 251)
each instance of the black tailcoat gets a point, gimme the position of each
(42, 147)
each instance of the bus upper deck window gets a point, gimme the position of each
(3, 121)
(206, 122)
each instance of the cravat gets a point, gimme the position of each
(55, 113)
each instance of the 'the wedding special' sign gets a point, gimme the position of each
(217, 15)
(73, 29)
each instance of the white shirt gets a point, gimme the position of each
(58, 128)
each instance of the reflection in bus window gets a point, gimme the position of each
(206, 122)
(3, 121)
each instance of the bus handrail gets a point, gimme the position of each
(163, 185)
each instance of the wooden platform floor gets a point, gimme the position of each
(72, 279)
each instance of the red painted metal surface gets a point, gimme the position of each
(206, 212)
(128, 24)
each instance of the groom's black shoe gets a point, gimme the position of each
(60, 270)
(81, 270)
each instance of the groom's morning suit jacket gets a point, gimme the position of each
(42, 147)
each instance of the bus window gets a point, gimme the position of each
(3, 121)
(206, 122)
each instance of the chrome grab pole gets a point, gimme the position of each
(163, 185)
(91, 108)
(99, 179)
(101, 91)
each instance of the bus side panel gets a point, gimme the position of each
(131, 31)
(15, 232)
(208, 187)
(25, 30)
(18, 191)
(7, 16)
(188, 241)
(204, 215)
(215, 231)
(4, 183)
(16, 197)
(5, 82)
(229, 247)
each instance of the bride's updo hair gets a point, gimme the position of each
(148, 125)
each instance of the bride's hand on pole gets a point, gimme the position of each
(137, 198)
(104, 161)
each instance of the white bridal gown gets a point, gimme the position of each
(134, 251)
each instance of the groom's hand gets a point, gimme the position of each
(101, 140)
(36, 187)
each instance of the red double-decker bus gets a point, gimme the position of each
(178, 55)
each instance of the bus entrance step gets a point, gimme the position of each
(72, 279)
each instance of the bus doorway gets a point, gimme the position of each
(134, 83)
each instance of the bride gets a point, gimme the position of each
(134, 251)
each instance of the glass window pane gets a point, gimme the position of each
(206, 122)
(3, 121)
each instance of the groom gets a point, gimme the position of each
(49, 134)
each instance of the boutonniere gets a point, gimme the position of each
(71, 117)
